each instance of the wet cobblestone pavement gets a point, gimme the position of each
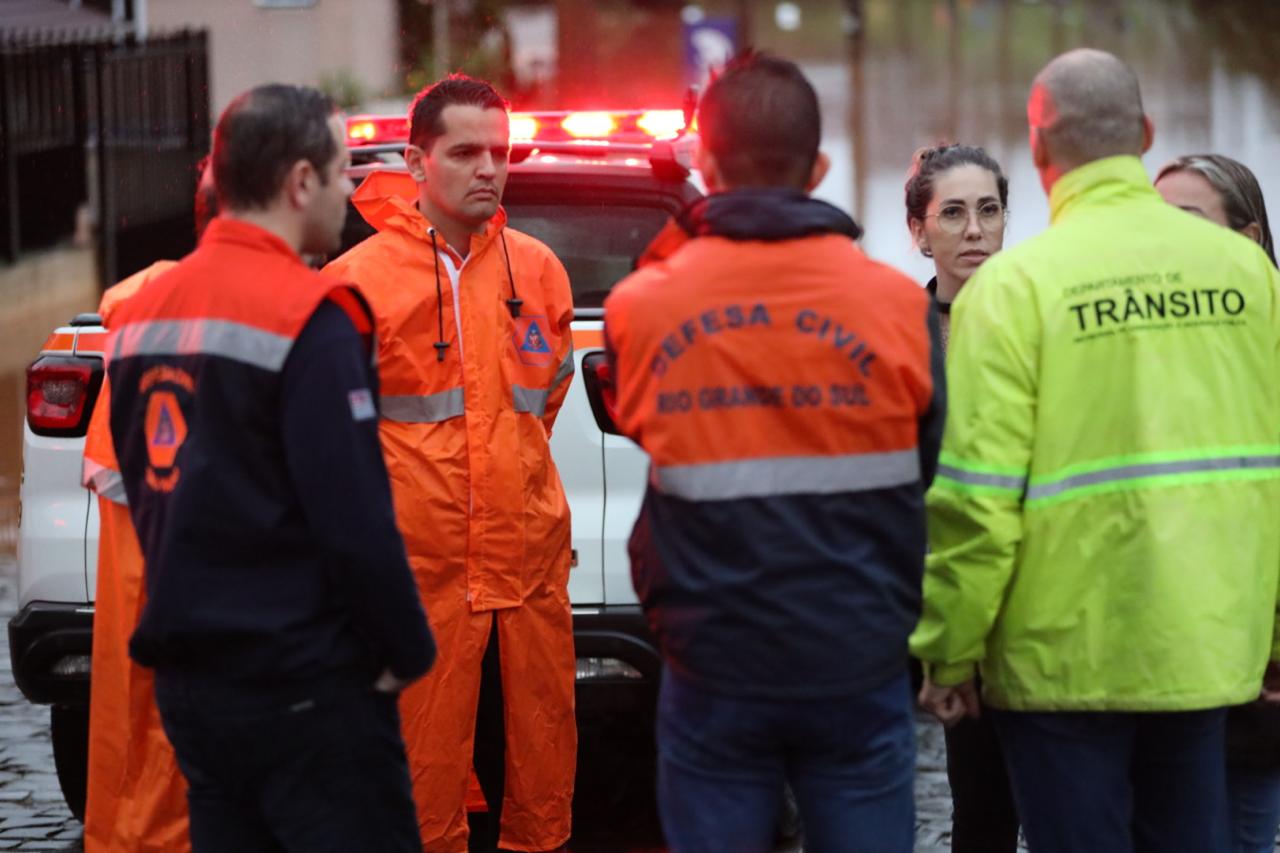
(32, 813)
(33, 816)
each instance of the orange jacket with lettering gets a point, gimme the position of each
(789, 393)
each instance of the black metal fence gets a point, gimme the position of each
(115, 122)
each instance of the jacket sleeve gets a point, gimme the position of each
(555, 281)
(1274, 277)
(975, 504)
(935, 417)
(99, 469)
(330, 431)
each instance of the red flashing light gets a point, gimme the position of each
(590, 125)
(376, 130)
(634, 127)
(361, 131)
(661, 124)
(59, 393)
(524, 127)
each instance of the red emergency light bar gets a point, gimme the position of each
(595, 126)
(590, 125)
(376, 130)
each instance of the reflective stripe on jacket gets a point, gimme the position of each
(788, 392)
(1104, 523)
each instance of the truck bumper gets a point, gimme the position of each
(50, 645)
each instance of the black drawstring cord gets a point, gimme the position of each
(514, 303)
(441, 345)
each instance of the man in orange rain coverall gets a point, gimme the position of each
(475, 357)
(136, 795)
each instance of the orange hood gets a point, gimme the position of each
(388, 201)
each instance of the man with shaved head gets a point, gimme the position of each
(1085, 106)
(1103, 524)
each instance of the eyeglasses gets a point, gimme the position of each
(954, 218)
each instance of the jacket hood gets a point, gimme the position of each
(751, 214)
(765, 214)
(389, 201)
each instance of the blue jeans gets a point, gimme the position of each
(309, 767)
(1254, 799)
(1118, 782)
(722, 762)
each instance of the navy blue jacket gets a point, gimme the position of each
(780, 548)
(244, 419)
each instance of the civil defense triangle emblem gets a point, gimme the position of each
(165, 435)
(165, 430)
(530, 340)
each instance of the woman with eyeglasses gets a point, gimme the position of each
(957, 203)
(1226, 192)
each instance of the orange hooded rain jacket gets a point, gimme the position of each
(137, 799)
(469, 395)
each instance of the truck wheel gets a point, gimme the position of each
(69, 725)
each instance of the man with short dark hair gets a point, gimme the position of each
(788, 391)
(476, 356)
(280, 614)
(764, 125)
(1102, 528)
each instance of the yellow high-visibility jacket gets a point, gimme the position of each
(1105, 524)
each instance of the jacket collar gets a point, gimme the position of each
(751, 214)
(932, 288)
(388, 201)
(227, 231)
(765, 214)
(1099, 182)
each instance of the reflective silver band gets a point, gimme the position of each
(424, 408)
(565, 370)
(236, 341)
(105, 482)
(434, 408)
(530, 400)
(788, 475)
(974, 478)
(1152, 469)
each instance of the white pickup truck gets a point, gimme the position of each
(597, 204)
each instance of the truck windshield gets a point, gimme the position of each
(598, 244)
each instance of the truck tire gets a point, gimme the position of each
(69, 725)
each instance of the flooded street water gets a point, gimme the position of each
(930, 71)
(903, 74)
